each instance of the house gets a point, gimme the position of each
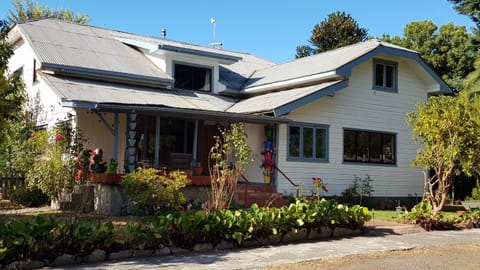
(156, 102)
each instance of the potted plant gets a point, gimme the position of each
(196, 167)
(112, 166)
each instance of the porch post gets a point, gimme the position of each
(115, 137)
(195, 141)
(156, 162)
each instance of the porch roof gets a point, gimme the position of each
(94, 95)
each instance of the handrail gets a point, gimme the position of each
(245, 192)
(289, 180)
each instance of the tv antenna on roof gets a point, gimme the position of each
(214, 43)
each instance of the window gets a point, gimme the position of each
(34, 70)
(368, 146)
(192, 77)
(307, 142)
(18, 73)
(385, 75)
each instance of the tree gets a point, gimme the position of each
(27, 9)
(227, 160)
(450, 51)
(447, 129)
(470, 8)
(338, 30)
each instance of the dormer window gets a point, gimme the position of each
(192, 77)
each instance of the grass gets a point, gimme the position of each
(385, 215)
(392, 215)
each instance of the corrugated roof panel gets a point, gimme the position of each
(271, 101)
(95, 92)
(72, 45)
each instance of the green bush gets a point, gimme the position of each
(29, 197)
(151, 193)
(47, 237)
(428, 219)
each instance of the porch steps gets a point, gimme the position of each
(262, 195)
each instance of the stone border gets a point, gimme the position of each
(99, 255)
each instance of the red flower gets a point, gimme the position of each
(319, 184)
(59, 137)
(33, 135)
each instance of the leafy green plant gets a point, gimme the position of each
(424, 215)
(29, 197)
(53, 170)
(112, 166)
(360, 189)
(227, 160)
(151, 192)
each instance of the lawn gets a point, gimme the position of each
(392, 215)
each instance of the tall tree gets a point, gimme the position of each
(12, 95)
(27, 9)
(12, 99)
(448, 129)
(470, 8)
(338, 30)
(450, 50)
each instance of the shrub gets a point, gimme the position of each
(29, 197)
(151, 192)
(424, 215)
(360, 191)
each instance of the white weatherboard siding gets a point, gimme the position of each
(255, 139)
(360, 107)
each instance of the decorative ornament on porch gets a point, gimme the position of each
(268, 162)
(98, 165)
(267, 165)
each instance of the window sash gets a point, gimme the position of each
(192, 77)
(307, 143)
(385, 75)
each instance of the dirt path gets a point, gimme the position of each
(452, 257)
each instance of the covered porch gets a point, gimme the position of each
(172, 139)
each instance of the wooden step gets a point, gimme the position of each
(262, 199)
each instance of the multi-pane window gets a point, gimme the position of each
(307, 142)
(385, 76)
(193, 77)
(369, 146)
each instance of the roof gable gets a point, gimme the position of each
(328, 65)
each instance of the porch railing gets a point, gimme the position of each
(10, 183)
(288, 179)
(245, 191)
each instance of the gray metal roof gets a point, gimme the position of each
(92, 48)
(68, 44)
(74, 48)
(316, 64)
(86, 91)
(282, 102)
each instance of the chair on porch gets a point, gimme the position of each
(179, 160)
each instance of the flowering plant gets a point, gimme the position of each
(319, 184)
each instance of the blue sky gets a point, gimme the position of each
(270, 29)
